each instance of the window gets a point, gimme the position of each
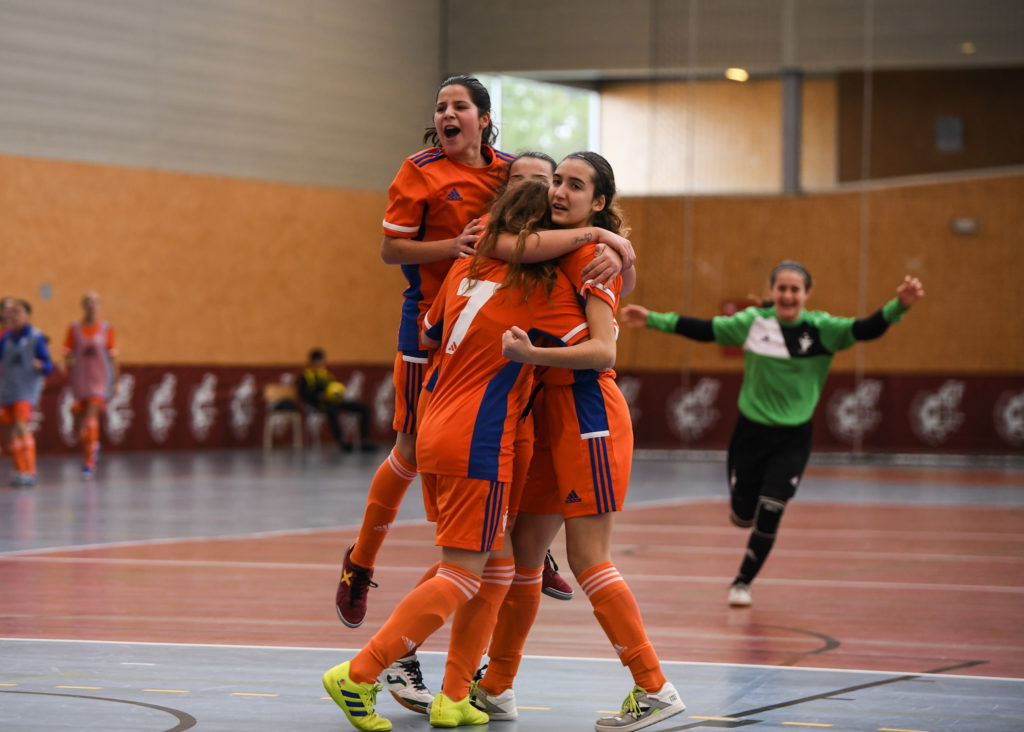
(534, 115)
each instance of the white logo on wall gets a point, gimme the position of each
(201, 410)
(935, 415)
(630, 387)
(242, 407)
(691, 412)
(354, 386)
(120, 414)
(384, 404)
(65, 419)
(1009, 417)
(161, 407)
(853, 414)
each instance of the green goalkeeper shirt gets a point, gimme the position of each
(785, 364)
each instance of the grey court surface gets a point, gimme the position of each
(62, 685)
(135, 687)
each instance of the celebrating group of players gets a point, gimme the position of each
(507, 408)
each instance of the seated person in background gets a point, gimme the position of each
(319, 389)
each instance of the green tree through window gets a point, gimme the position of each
(533, 115)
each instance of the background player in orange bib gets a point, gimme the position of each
(89, 354)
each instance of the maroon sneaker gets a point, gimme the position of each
(552, 584)
(350, 599)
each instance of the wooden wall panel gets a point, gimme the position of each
(199, 269)
(974, 283)
(904, 107)
(736, 135)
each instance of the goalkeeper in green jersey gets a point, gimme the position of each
(787, 352)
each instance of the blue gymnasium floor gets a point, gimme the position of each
(140, 687)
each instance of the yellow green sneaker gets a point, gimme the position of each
(446, 713)
(356, 699)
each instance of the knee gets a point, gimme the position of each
(769, 515)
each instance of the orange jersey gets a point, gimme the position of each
(433, 197)
(479, 395)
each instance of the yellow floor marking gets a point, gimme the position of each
(8, 684)
(91, 688)
(168, 691)
(246, 693)
(608, 711)
(894, 729)
(539, 709)
(807, 724)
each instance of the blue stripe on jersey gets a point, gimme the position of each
(427, 156)
(504, 156)
(591, 412)
(601, 474)
(492, 515)
(428, 161)
(408, 327)
(436, 330)
(485, 445)
(432, 380)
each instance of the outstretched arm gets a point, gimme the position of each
(909, 292)
(697, 329)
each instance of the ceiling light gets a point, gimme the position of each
(967, 48)
(736, 74)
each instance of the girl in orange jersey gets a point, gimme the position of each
(429, 223)
(465, 447)
(583, 445)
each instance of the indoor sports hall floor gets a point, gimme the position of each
(195, 591)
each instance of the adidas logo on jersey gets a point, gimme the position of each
(453, 195)
(573, 498)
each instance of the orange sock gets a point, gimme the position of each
(472, 627)
(423, 611)
(616, 610)
(17, 450)
(386, 492)
(29, 451)
(90, 437)
(515, 618)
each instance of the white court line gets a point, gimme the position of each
(905, 586)
(443, 654)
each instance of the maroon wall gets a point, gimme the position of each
(169, 407)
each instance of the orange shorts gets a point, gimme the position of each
(410, 368)
(540, 490)
(19, 411)
(470, 513)
(79, 404)
(584, 447)
(523, 446)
